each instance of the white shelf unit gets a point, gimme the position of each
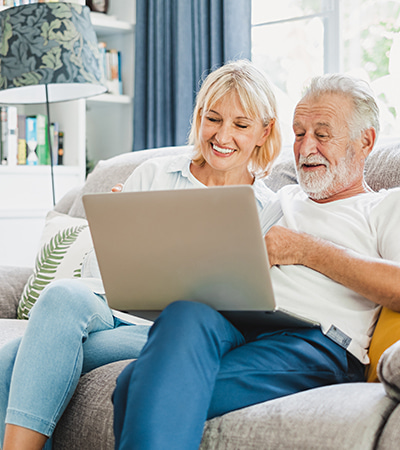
(26, 191)
(110, 117)
(101, 125)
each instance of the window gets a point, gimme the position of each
(293, 40)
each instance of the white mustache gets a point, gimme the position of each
(313, 159)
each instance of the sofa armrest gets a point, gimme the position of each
(12, 282)
(389, 371)
(63, 206)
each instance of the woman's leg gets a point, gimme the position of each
(49, 360)
(8, 353)
(17, 437)
(163, 402)
(123, 342)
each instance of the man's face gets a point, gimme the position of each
(329, 165)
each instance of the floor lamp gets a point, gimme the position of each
(48, 53)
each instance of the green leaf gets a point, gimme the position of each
(5, 37)
(52, 59)
(47, 263)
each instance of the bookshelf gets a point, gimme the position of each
(110, 117)
(97, 128)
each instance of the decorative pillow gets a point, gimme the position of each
(389, 371)
(387, 332)
(65, 242)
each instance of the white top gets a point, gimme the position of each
(368, 224)
(173, 172)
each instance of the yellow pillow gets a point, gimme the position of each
(386, 333)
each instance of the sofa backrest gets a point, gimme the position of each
(382, 171)
(109, 172)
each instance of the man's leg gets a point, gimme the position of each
(163, 402)
(278, 364)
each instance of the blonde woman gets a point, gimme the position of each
(236, 137)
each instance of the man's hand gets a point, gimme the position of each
(374, 278)
(286, 246)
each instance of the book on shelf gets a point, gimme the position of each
(24, 139)
(9, 137)
(111, 59)
(3, 134)
(12, 136)
(22, 149)
(60, 148)
(42, 149)
(54, 133)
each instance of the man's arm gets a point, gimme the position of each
(374, 278)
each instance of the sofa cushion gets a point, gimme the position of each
(13, 280)
(11, 329)
(63, 206)
(64, 243)
(345, 416)
(283, 172)
(382, 168)
(387, 332)
(389, 371)
(390, 437)
(115, 170)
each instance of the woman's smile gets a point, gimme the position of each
(222, 151)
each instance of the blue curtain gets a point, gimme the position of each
(177, 43)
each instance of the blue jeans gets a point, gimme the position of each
(196, 366)
(70, 331)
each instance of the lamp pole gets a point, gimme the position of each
(50, 144)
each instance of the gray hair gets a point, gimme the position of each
(365, 111)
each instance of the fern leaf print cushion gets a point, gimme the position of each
(64, 244)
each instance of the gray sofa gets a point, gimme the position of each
(351, 416)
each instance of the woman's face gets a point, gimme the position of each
(228, 136)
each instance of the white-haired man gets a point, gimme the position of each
(335, 257)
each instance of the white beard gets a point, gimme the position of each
(319, 186)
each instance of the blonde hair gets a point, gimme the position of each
(257, 100)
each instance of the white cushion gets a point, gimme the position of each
(64, 243)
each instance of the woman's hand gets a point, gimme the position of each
(117, 188)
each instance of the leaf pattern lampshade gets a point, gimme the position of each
(51, 44)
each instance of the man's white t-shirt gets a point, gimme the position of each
(367, 223)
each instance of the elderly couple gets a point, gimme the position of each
(334, 250)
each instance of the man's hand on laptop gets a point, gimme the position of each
(117, 188)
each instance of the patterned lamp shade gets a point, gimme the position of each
(51, 44)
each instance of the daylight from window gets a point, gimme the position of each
(293, 40)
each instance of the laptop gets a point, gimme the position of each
(200, 244)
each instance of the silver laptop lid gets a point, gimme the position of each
(197, 244)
